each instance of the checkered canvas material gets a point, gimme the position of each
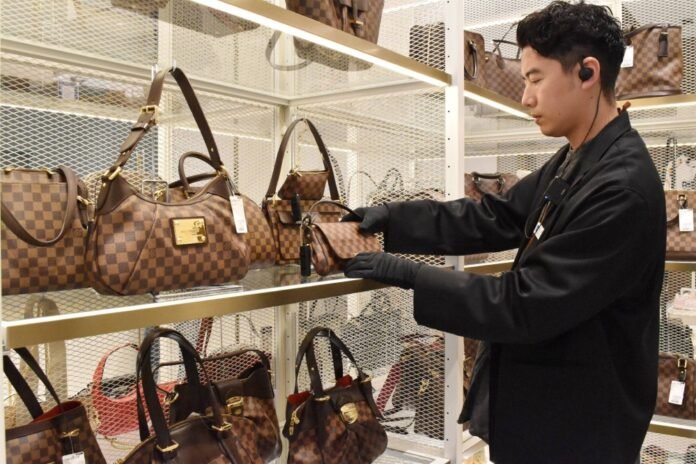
(658, 63)
(339, 15)
(334, 244)
(132, 248)
(310, 185)
(502, 75)
(669, 371)
(39, 442)
(287, 231)
(680, 245)
(38, 202)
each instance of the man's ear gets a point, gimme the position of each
(589, 71)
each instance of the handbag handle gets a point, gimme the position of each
(164, 443)
(98, 375)
(273, 185)
(473, 52)
(308, 216)
(477, 176)
(186, 181)
(270, 46)
(71, 201)
(22, 388)
(497, 50)
(149, 117)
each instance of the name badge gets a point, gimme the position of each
(538, 230)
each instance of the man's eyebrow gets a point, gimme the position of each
(532, 71)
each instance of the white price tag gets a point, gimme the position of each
(686, 220)
(538, 230)
(676, 393)
(238, 213)
(628, 58)
(75, 458)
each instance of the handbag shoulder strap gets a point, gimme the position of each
(149, 115)
(328, 202)
(22, 388)
(70, 204)
(273, 185)
(98, 374)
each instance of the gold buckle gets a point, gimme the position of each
(169, 448)
(322, 398)
(71, 434)
(223, 428)
(349, 413)
(154, 109)
(109, 175)
(84, 201)
(235, 405)
(681, 363)
(169, 399)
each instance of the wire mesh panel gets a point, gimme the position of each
(100, 371)
(663, 449)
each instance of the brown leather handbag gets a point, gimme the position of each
(200, 438)
(140, 245)
(360, 18)
(680, 245)
(243, 381)
(335, 425)
(674, 369)
(658, 63)
(502, 75)
(333, 244)
(52, 435)
(258, 238)
(279, 210)
(44, 225)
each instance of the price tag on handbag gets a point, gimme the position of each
(676, 392)
(686, 220)
(628, 58)
(240, 222)
(75, 458)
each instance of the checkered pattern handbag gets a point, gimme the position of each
(336, 425)
(671, 369)
(44, 224)
(52, 435)
(334, 244)
(285, 220)
(361, 18)
(140, 245)
(502, 75)
(658, 63)
(680, 245)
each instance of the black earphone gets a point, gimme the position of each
(585, 73)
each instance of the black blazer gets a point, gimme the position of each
(573, 329)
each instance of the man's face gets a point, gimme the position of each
(552, 95)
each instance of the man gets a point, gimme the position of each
(568, 369)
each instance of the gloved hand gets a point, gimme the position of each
(384, 267)
(372, 219)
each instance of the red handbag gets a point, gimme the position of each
(115, 399)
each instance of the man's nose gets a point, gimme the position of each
(528, 98)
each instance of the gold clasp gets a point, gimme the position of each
(154, 109)
(235, 406)
(171, 398)
(223, 428)
(84, 201)
(349, 413)
(71, 434)
(168, 449)
(681, 363)
(111, 175)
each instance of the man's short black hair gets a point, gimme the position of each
(570, 32)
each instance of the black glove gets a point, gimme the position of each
(372, 219)
(384, 267)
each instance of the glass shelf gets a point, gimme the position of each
(88, 313)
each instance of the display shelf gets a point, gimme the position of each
(214, 63)
(262, 288)
(672, 426)
(501, 266)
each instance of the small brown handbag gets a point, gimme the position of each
(676, 368)
(279, 210)
(336, 425)
(258, 238)
(44, 225)
(52, 435)
(334, 244)
(658, 63)
(680, 245)
(360, 18)
(140, 245)
(502, 75)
